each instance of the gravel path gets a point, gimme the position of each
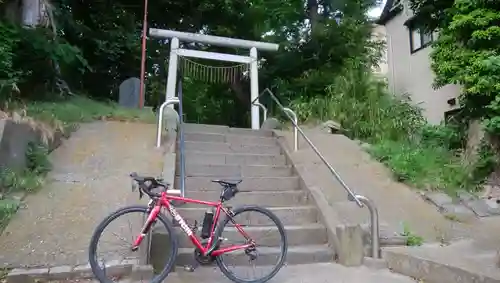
(89, 180)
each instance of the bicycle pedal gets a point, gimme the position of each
(189, 268)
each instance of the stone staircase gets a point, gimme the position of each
(218, 152)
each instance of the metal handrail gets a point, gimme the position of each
(360, 200)
(170, 101)
(374, 223)
(264, 109)
(293, 117)
(315, 149)
(292, 113)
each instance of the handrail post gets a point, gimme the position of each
(374, 224)
(295, 131)
(169, 101)
(264, 109)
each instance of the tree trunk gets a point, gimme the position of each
(312, 10)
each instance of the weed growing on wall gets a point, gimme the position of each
(22, 181)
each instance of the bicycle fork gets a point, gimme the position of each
(147, 226)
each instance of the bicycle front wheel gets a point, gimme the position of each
(119, 230)
(269, 253)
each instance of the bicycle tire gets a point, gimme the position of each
(98, 272)
(284, 245)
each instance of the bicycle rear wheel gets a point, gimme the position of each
(258, 222)
(126, 240)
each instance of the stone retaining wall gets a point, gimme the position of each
(16, 134)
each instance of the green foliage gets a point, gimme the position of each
(487, 161)
(412, 238)
(79, 109)
(362, 105)
(28, 57)
(425, 156)
(451, 137)
(424, 165)
(98, 46)
(37, 160)
(27, 180)
(17, 181)
(31, 178)
(467, 53)
(8, 208)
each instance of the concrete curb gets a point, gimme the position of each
(326, 214)
(430, 271)
(129, 268)
(374, 263)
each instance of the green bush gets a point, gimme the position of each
(423, 155)
(28, 59)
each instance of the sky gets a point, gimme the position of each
(376, 11)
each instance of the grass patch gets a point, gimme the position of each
(423, 166)
(412, 238)
(425, 156)
(79, 109)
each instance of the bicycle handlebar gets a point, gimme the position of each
(146, 188)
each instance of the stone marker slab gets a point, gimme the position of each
(464, 196)
(129, 93)
(271, 124)
(438, 199)
(484, 207)
(458, 212)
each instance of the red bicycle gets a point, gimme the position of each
(212, 246)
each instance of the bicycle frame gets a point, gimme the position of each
(164, 201)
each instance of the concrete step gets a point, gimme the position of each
(248, 184)
(289, 215)
(269, 255)
(262, 198)
(229, 138)
(462, 262)
(189, 128)
(214, 158)
(235, 171)
(268, 236)
(231, 148)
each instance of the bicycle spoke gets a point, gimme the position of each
(113, 241)
(265, 237)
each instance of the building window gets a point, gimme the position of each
(419, 39)
(452, 116)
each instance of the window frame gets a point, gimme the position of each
(411, 30)
(412, 27)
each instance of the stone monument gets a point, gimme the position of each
(129, 93)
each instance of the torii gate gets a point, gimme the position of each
(252, 60)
